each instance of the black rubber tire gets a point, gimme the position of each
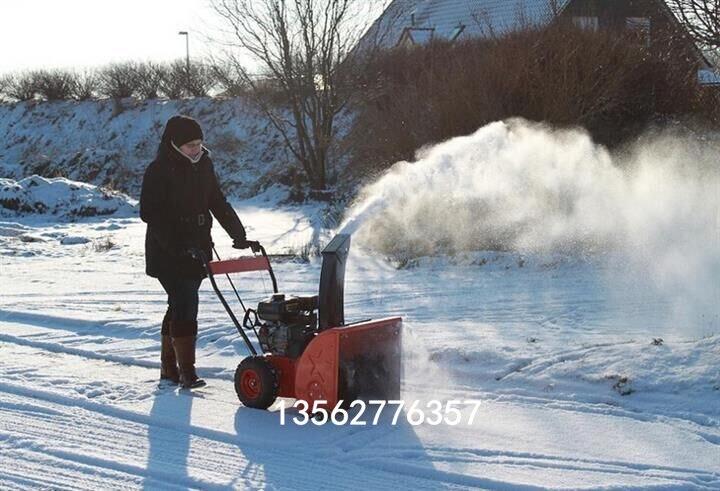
(256, 382)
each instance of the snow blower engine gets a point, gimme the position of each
(308, 352)
(286, 325)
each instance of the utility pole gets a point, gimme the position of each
(187, 49)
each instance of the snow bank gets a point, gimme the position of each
(62, 198)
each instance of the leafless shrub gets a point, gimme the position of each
(149, 80)
(54, 85)
(4, 82)
(119, 80)
(103, 244)
(199, 80)
(86, 85)
(230, 82)
(20, 86)
(175, 82)
(172, 83)
(304, 252)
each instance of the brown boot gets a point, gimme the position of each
(185, 354)
(168, 362)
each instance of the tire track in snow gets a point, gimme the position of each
(32, 470)
(108, 390)
(542, 363)
(699, 427)
(101, 334)
(469, 457)
(121, 329)
(119, 445)
(332, 469)
(392, 464)
(120, 434)
(531, 399)
(600, 408)
(68, 350)
(546, 461)
(110, 466)
(398, 464)
(60, 348)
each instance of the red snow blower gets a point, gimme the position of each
(308, 351)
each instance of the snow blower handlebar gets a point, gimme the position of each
(244, 265)
(237, 265)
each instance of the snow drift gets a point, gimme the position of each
(62, 198)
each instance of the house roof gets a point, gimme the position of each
(417, 35)
(459, 19)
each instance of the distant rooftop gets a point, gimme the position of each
(458, 19)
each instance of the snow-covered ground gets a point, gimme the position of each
(589, 375)
(546, 347)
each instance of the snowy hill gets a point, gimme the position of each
(110, 143)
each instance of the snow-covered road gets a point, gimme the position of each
(548, 345)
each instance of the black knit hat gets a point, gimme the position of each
(182, 129)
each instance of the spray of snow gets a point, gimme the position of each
(517, 186)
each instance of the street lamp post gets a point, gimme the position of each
(187, 49)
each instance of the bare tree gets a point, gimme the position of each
(701, 18)
(302, 48)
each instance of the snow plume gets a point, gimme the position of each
(420, 370)
(523, 187)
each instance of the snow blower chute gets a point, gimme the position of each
(308, 351)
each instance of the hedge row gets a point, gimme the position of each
(145, 80)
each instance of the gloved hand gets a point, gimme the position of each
(240, 244)
(244, 244)
(255, 246)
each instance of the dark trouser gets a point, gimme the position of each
(182, 306)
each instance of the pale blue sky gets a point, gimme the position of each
(82, 33)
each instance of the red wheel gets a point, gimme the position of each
(256, 382)
(250, 383)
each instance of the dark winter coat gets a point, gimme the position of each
(176, 201)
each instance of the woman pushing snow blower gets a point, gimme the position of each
(179, 192)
